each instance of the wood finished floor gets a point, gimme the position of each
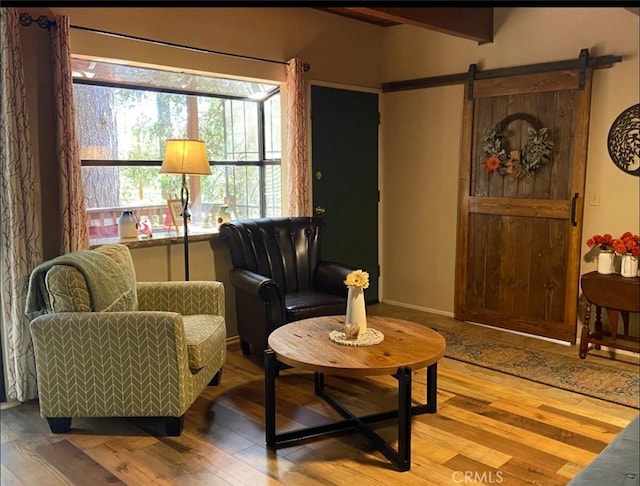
(490, 428)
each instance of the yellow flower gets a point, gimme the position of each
(357, 278)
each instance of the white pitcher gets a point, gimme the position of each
(629, 266)
(605, 262)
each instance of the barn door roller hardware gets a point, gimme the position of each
(582, 63)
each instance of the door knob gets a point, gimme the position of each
(320, 210)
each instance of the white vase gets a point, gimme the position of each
(629, 266)
(605, 262)
(356, 309)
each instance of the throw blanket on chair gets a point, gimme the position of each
(107, 281)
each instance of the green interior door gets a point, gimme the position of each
(344, 137)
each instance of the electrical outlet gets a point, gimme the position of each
(594, 198)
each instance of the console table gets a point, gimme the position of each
(619, 296)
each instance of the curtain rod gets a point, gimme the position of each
(42, 21)
(45, 23)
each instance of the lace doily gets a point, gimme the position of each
(369, 338)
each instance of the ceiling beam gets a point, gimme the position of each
(470, 23)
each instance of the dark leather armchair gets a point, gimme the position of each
(278, 275)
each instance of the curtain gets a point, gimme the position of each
(299, 203)
(74, 232)
(20, 243)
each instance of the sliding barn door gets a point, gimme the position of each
(519, 235)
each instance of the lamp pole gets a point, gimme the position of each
(184, 195)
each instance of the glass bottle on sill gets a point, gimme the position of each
(224, 214)
(127, 224)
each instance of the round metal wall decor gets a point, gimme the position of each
(624, 141)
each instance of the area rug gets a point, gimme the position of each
(572, 374)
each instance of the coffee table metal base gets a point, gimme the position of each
(400, 457)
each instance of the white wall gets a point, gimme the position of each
(421, 132)
(338, 49)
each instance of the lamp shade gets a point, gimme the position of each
(185, 157)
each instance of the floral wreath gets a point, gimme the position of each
(535, 153)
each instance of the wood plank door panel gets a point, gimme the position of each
(518, 237)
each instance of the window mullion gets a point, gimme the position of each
(261, 155)
(193, 132)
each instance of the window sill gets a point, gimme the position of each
(159, 238)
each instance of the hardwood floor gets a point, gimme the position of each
(490, 428)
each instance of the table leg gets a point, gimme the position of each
(401, 456)
(403, 459)
(625, 322)
(270, 370)
(613, 324)
(597, 333)
(318, 381)
(584, 337)
(432, 388)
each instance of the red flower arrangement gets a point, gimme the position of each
(605, 241)
(627, 243)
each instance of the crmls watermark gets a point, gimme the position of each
(470, 477)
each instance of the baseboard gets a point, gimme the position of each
(450, 314)
(418, 307)
(606, 349)
(9, 404)
(233, 340)
(535, 336)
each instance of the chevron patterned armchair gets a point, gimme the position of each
(108, 346)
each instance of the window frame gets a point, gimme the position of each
(262, 162)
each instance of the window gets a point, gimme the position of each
(124, 114)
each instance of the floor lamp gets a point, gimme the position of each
(186, 157)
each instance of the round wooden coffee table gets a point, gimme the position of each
(406, 347)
